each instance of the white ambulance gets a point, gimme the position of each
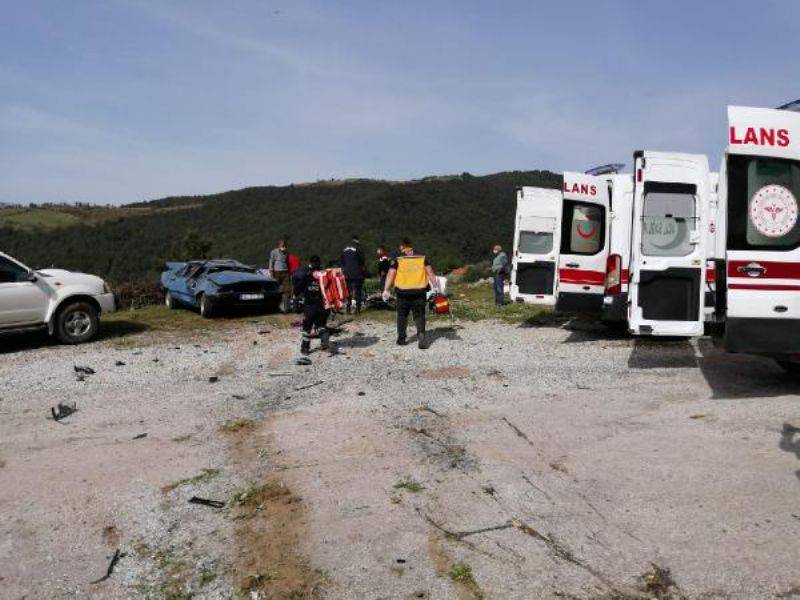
(537, 239)
(615, 299)
(758, 193)
(584, 243)
(671, 193)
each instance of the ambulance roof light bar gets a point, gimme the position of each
(794, 105)
(609, 169)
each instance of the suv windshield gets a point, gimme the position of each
(669, 217)
(762, 203)
(11, 272)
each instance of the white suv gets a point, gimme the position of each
(67, 304)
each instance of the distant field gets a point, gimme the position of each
(49, 218)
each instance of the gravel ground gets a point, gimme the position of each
(503, 462)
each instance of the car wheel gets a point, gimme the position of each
(169, 301)
(791, 367)
(206, 307)
(274, 305)
(77, 323)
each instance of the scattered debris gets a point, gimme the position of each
(518, 431)
(119, 363)
(280, 374)
(698, 416)
(213, 379)
(234, 425)
(155, 360)
(264, 332)
(658, 583)
(140, 436)
(237, 396)
(362, 393)
(63, 411)
(409, 484)
(426, 408)
(558, 465)
(489, 490)
(303, 360)
(206, 502)
(310, 385)
(84, 370)
(111, 565)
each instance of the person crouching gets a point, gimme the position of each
(307, 284)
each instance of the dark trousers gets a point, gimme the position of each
(410, 304)
(314, 315)
(355, 290)
(499, 285)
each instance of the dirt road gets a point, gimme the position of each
(503, 462)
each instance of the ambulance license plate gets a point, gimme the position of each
(251, 297)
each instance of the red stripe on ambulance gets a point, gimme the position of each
(772, 269)
(581, 276)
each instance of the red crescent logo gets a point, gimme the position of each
(586, 236)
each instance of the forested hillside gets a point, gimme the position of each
(454, 219)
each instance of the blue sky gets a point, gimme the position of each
(123, 100)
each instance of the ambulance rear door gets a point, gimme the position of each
(615, 302)
(760, 197)
(667, 270)
(584, 243)
(537, 235)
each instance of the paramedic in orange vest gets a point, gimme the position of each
(411, 275)
(314, 312)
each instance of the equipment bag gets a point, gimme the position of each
(439, 304)
(333, 287)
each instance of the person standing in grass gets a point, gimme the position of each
(279, 268)
(499, 273)
(384, 264)
(354, 268)
(412, 276)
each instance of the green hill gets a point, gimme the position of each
(455, 219)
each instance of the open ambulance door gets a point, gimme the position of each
(759, 193)
(584, 243)
(668, 257)
(537, 236)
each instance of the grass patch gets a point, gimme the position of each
(461, 573)
(410, 485)
(236, 425)
(204, 476)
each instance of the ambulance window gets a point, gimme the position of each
(763, 193)
(583, 228)
(669, 217)
(535, 242)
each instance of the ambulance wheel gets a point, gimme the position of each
(206, 307)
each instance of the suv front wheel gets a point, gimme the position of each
(76, 323)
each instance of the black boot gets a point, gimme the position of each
(401, 341)
(305, 347)
(325, 339)
(422, 341)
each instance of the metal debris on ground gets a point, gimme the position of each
(111, 565)
(119, 363)
(84, 370)
(62, 411)
(303, 361)
(206, 502)
(310, 385)
(140, 436)
(213, 379)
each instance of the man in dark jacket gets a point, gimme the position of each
(314, 312)
(353, 267)
(384, 264)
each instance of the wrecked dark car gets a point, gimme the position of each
(212, 286)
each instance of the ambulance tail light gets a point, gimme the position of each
(614, 275)
(638, 176)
